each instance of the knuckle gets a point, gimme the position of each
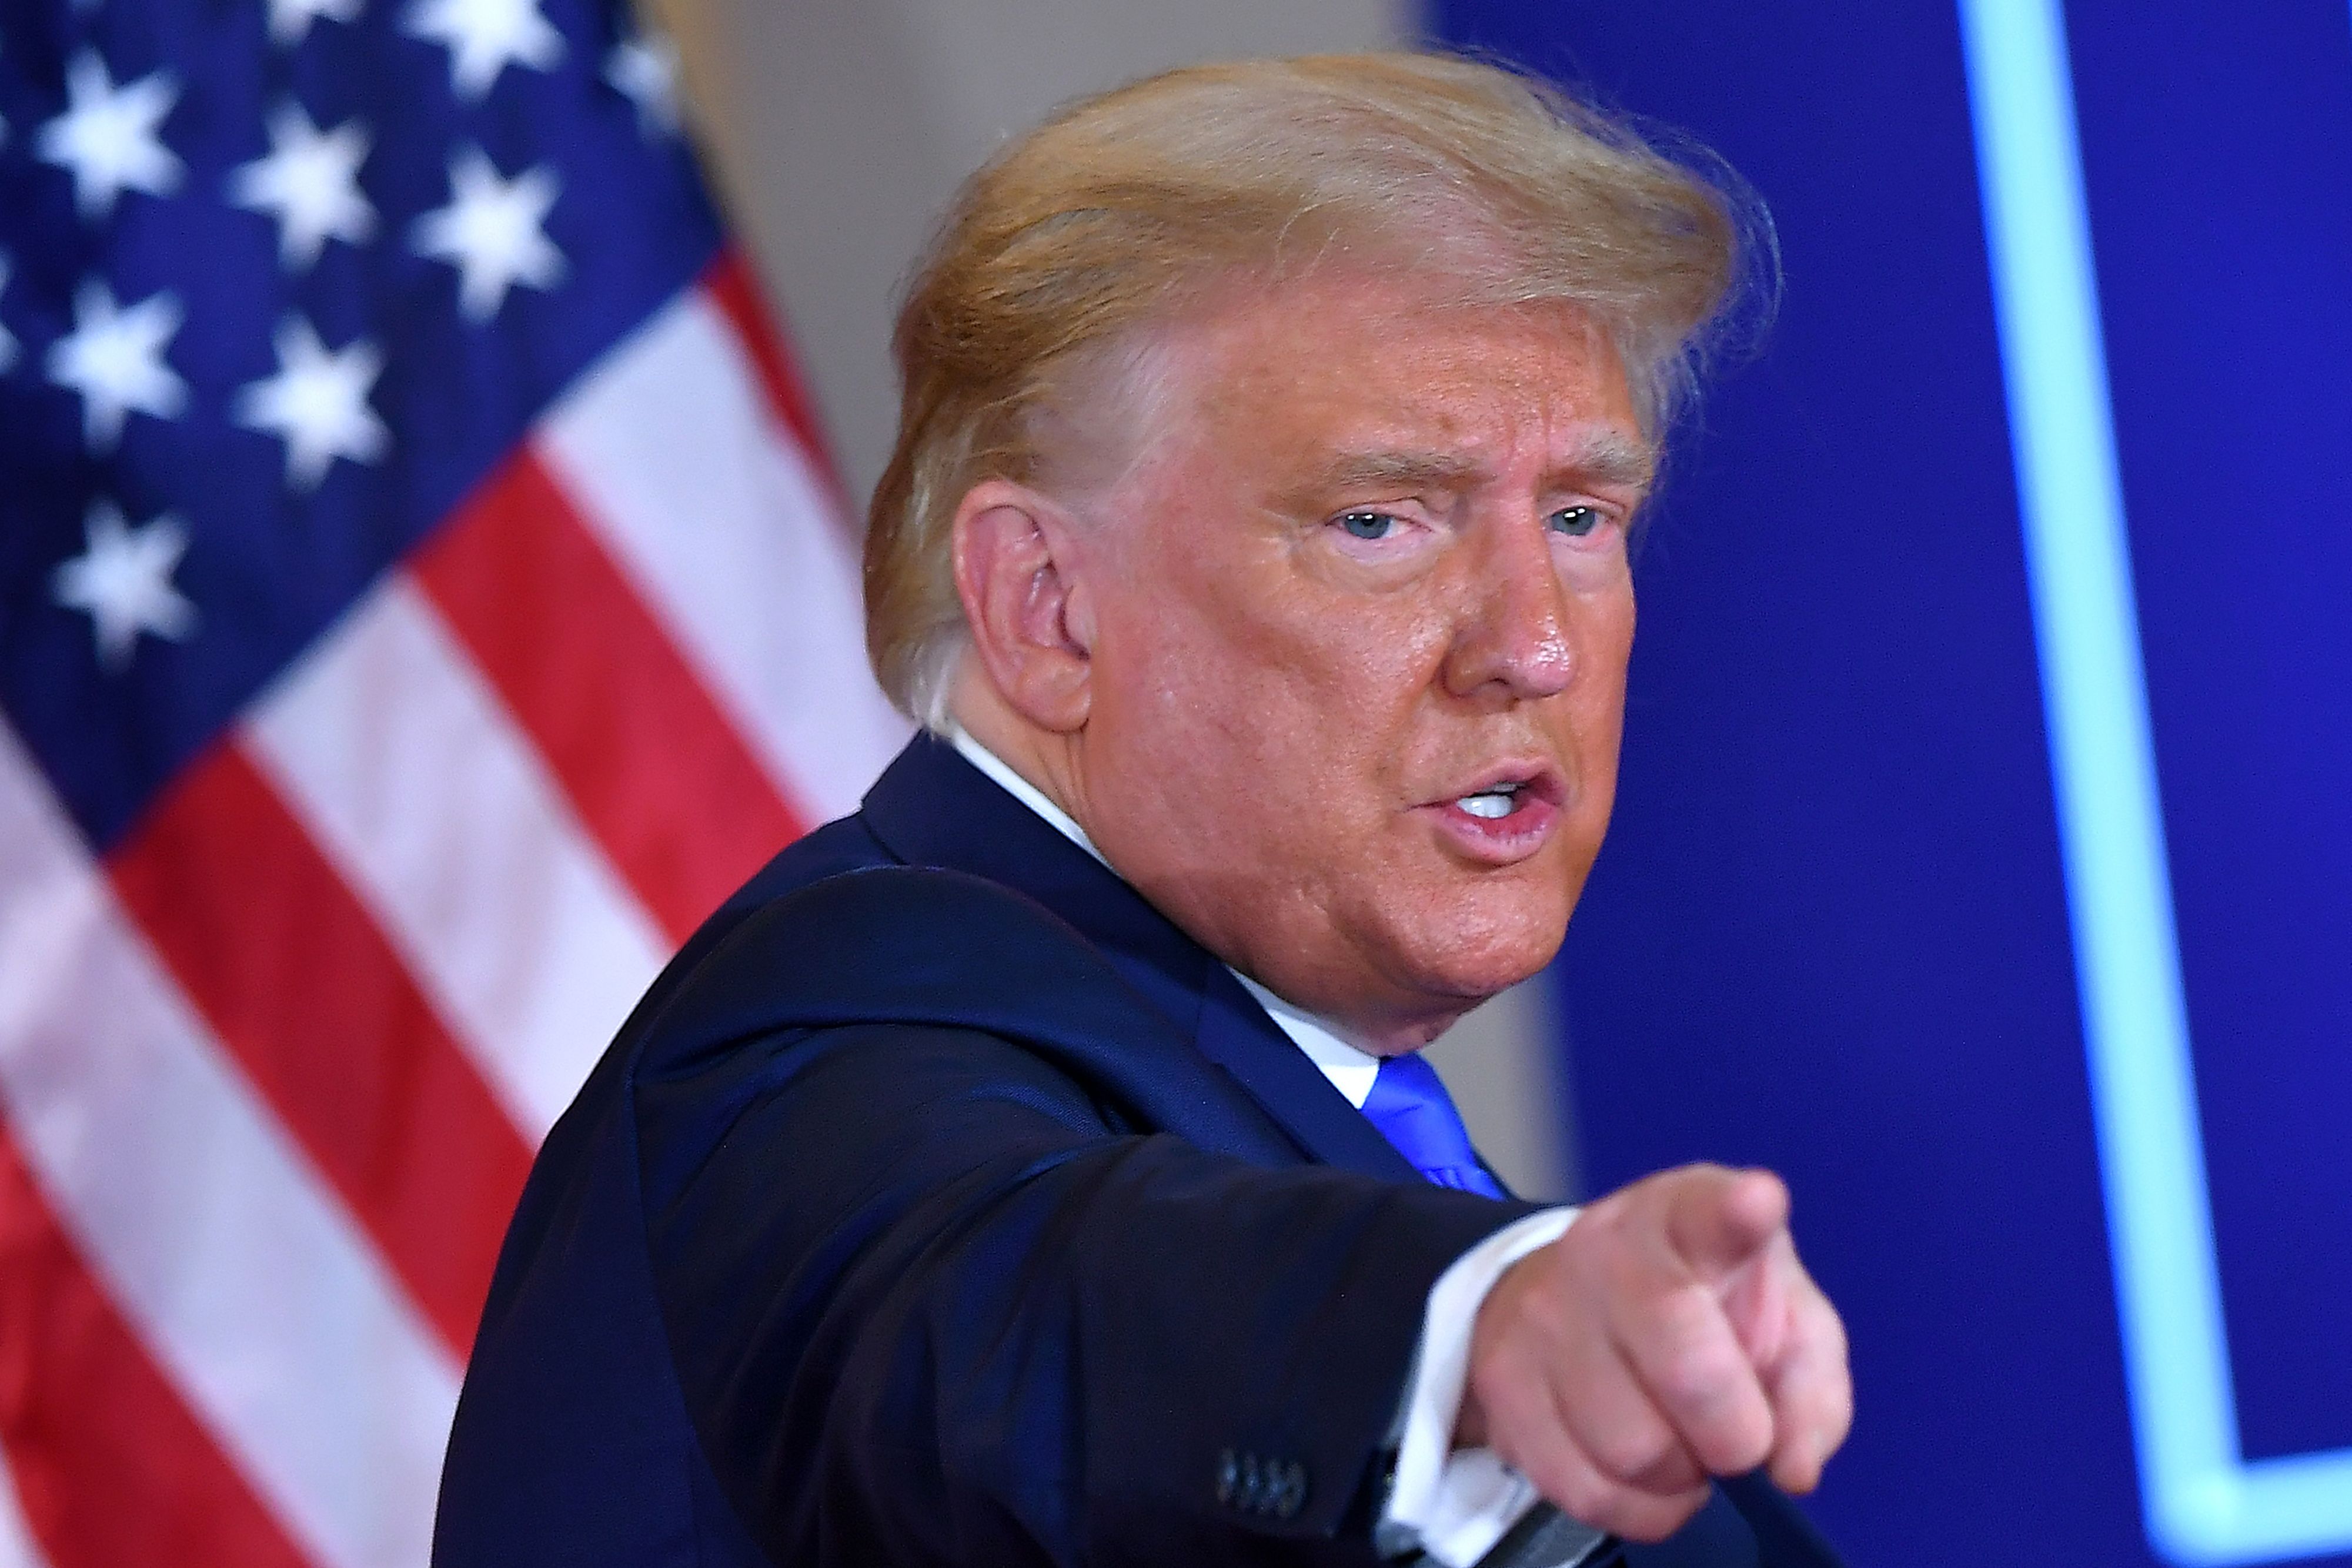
(1529, 1290)
(1584, 1495)
(1695, 1363)
(1744, 1442)
(1677, 1471)
(1631, 1449)
(1738, 1437)
(1696, 1378)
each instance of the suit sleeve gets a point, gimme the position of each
(931, 1304)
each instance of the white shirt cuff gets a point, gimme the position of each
(1457, 1505)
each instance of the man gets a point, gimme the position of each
(1035, 1167)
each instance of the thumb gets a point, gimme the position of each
(1717, 1220)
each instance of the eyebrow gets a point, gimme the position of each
(1606, 457)
(1611, 458)
(1400, 470)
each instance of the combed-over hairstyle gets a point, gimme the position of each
(1114, 215)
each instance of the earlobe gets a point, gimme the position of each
(1018, 574)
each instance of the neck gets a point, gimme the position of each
(1042, 758)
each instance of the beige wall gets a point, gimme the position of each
(840, 127)
(837, 130)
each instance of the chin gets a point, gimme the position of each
(1472, 947)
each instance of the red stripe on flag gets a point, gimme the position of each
(111, 1467)
(658, 775)
(736, 292)
(298, 982)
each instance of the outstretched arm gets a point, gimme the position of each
(930, 1302)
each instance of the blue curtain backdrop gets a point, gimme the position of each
(1831, 930)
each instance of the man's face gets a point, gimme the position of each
(1363, 611)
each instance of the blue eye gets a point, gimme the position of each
(1368, 524)
(1575, 521)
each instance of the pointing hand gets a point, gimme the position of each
(1671, 1334)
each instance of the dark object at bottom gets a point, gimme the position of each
(1548, 1538)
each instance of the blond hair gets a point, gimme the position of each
(1123, 209)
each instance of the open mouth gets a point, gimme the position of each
(1510, 791)
(1494, 802)
(1505, 817)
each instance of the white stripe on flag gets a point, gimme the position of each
(253, 1290)
(413, 778)
(668, 451)
(16, 1548)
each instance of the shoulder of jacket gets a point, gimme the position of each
(902, 945)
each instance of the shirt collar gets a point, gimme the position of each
(1351, 1070)
(1021, 789)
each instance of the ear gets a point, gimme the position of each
(1018, 571)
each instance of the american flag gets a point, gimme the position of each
(420, 602)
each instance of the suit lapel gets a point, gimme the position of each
(932, 808)
(1236, 1034)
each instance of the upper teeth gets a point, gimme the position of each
(1495, 802)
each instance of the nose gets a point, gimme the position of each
(1513, 640)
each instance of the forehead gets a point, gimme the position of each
(1348, 372)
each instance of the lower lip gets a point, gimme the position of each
(1498, 840)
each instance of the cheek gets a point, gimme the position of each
(1350, 715)
(1366, 657)
(1176, 685)
(1600, 722)
(1608, 647)
(1301, 688)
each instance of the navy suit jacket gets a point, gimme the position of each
(942, 1203)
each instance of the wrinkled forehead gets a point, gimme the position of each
(1377, 378)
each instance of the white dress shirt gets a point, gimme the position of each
(1453, 1504)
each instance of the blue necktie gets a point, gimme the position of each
(1412, 1111)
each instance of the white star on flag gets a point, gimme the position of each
(290, 20)
(484, 36)
(108, 135)
(309, 183)
(645, 71)
(122, 581)
(7, 343)
(490, 233)
(114, 359)
(316, 403)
